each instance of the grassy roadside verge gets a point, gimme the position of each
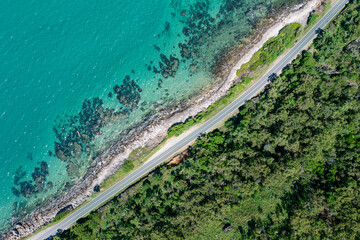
(261, 62)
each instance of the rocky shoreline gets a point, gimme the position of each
(154, 129)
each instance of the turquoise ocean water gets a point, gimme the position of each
(56, 54)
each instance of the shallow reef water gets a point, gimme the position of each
(76, 74)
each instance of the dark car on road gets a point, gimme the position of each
(271, 77)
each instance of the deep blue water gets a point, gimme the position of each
(56, 54)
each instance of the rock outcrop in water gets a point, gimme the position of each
(19, 174)
(76, 132)
(168, 67)
(28, 188)
(74, 135)
(128, 93)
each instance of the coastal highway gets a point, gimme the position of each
(207, 126)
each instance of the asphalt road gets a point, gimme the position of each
(222, 115)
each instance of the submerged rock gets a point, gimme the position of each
(77, 150)
(73, 168)
(155, 70)
(29, 156)
(75, 133)
(49, 185)
(44, 168)
(186, 31)
(168, 67)
(59, 153)
(166, 27)
(15, 192)
(39, 177)
(157, 47)
(19, 174)
(193, 68)
(28, 188)
(184, 51)
(128, 93)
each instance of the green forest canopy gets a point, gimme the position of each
(286, 167)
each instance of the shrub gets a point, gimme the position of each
(312, 18)
(128, 166)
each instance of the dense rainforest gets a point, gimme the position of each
(287, 166)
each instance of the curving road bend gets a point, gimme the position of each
(211, 123)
